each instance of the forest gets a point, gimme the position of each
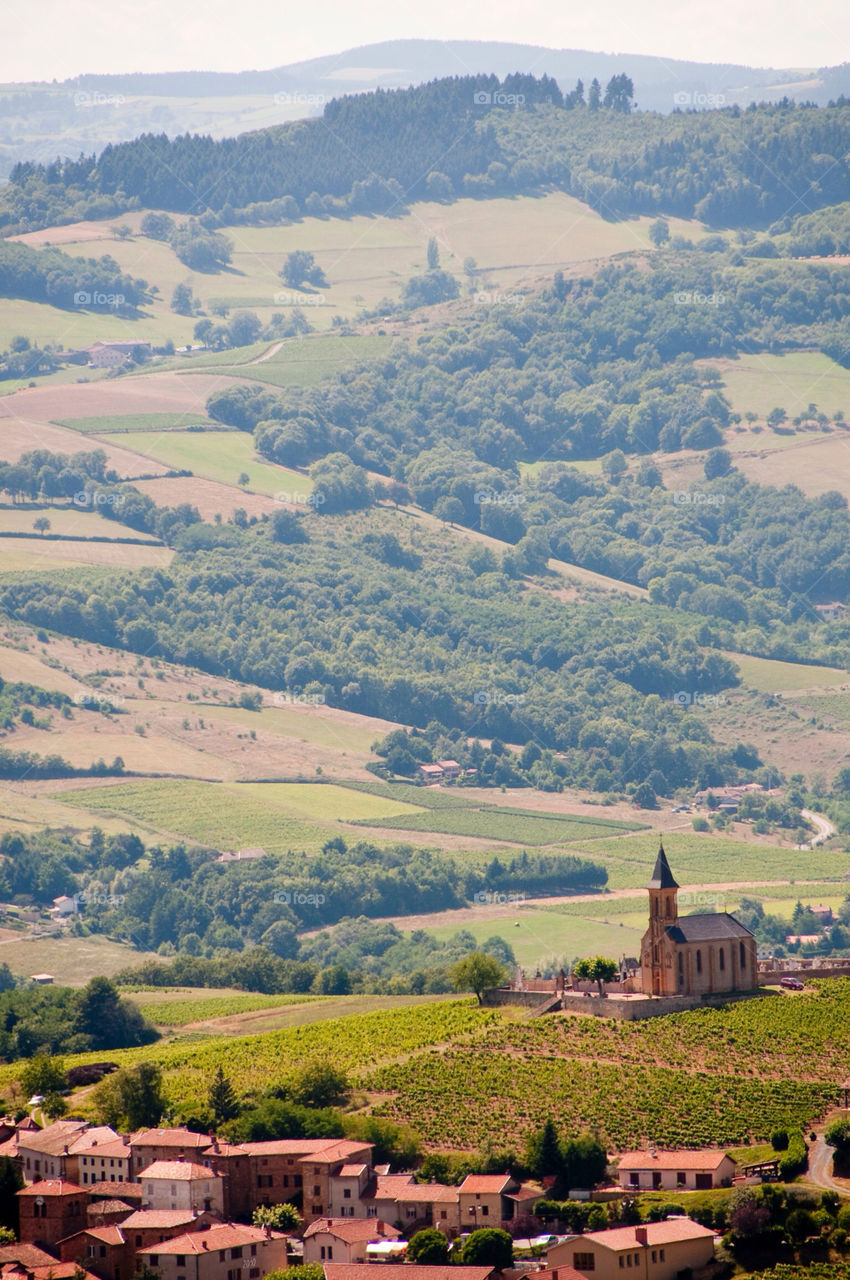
(467, 135)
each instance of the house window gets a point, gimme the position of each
(721, 959)
(485, 1211)
(699, 961)
(154, 1259)
(622, 1262)
(584, 1262)
(628, 1259)
(102, 1251)
(372, 1211)
(660, 1255)
(297, 1180)
(411, 1213)
(317, 1191)
(654, 1255)
(346, 1195)
(221, 1255)
(236, 1253)
(286, 1179)
(181, 1259)
(443, 1213)
(681, 1179)
(253, 1251)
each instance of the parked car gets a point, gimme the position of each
(791, 984)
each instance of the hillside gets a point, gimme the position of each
(466, 1078)
(44, 120)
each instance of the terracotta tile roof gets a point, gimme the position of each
(178, 1171)
(676, 1160)
(353, 1230)
(338, 1150)
(226, 1235)
(667, 1232)
(352, 1170)
(392, 1185)
(287, 1146)
(403, 1271)
(53, 1140)
(99, 1136)
(52, 1187)
(170, 1138)
(126, 1190)
(29, 1254)
(158, 1219)
(105, 1150)
(486, 1183)
(61, 1271)
(429, 1193)
(226, 1149)
(106, 1235)
(109, 1206)
(559, 1273)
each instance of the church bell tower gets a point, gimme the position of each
(663, 913)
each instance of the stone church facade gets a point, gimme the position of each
(692, 955)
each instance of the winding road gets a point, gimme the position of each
(820, 1169)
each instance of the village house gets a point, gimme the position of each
(344, 1239)
(150, 1145)
(233, 1161)
(107, 1213)
(42, 1152)
(654, 1251)
(50, 1210)
(98, 1155)
(675, 1170)
(182, 1184)
(147, 1227)
(831, 612)
(487, 1200)
(225, 1251)
(104, 1251)
(110, 355)
(692, 955)
(319, 1167)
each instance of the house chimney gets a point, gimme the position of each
(640, 1235)
(380, 1227)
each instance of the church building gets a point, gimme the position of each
(692, 955)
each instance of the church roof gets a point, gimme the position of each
(717, 927)
(662, 876)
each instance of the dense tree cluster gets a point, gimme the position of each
(51, 1020)
(469, 135)
(49, 275)
(446, 642)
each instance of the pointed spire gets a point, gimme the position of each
(662, 876)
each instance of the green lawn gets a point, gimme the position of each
(218, 455)
(72, 961)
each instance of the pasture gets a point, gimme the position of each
(218, 455)
(767, 675)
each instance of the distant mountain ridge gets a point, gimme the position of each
(85, 114)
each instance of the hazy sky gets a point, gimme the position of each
(44, 39)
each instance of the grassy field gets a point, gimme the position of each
(218, 455)
(103, 425)
(298, 362)
(541, 937)
(167, 1008)
(76, 522)
(761, 382)
(515, 242)
(38, 555)
(766, 675)
(73, 961)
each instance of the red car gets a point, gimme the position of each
(791, 984)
